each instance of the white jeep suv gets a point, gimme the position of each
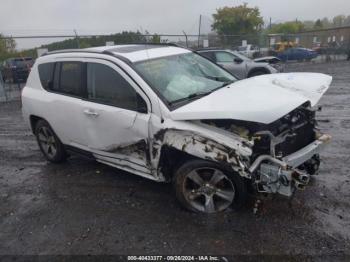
(170, 115)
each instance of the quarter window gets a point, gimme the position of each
(46, 74)
(107, 86)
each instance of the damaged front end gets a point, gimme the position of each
(285, 152)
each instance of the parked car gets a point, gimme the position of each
(16, 69)
(170, 115)
(273, 61)
(250, 51)
(237, 64)
(299, 54)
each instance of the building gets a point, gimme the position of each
(328, 37)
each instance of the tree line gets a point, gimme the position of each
(236, 20)
(8, 45)
(242, 20)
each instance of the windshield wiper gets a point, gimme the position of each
(227, 83)
(201, 94)
(191, 96)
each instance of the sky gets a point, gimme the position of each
(54, 17)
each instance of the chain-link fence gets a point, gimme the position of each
(324, 42)
(327, 45)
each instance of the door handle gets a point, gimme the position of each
(90, 113)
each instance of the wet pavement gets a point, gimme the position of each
(82, 207)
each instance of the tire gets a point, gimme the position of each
(257, 73)
(49, 144)
(214, 191)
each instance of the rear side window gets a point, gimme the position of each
(62, 77)
(70, 78)
(46, 74)
(209, 55)
(107, 86)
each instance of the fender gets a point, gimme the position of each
(199, 146)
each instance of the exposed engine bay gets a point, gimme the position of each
(274, 144)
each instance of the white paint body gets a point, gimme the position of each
(262, 99)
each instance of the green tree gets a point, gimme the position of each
(339, 20)
(155, 39)
(237, 20)
(347, 20)
(7, 45)
(292, 27)
(309, 24)
(326, 23)
(318, 24)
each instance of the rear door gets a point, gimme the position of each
(64, 82)
(116, 118)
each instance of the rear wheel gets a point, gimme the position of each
(203, 186)
(49, 143)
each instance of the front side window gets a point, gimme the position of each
(183, 77)
(107, 86)
(224, 57)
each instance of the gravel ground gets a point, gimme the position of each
(82, 207)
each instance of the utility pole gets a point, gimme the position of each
(77, 38)
(199, 29)
(270, 22)
(186, 38)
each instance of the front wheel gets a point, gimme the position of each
(203, 186)
(49, 143)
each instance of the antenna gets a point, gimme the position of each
(186, 38)
(77, 38)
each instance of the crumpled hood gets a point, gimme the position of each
(262, 99)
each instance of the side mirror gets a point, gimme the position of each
(237, 60)
(141, 105)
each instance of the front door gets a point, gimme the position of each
(116, 118)
(226, 60)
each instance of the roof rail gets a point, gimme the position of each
(105, 52)
(88, 50)
(146, 43)
(72, 51)
(210, 48)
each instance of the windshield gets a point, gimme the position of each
(184, 76)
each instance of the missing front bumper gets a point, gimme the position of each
(283, 176)
(296, 159)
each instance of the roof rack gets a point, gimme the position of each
(63, 51)
(108, 51)
(105, 52)
(210, 48)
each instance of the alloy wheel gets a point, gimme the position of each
(208, 190)
(47, 141)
